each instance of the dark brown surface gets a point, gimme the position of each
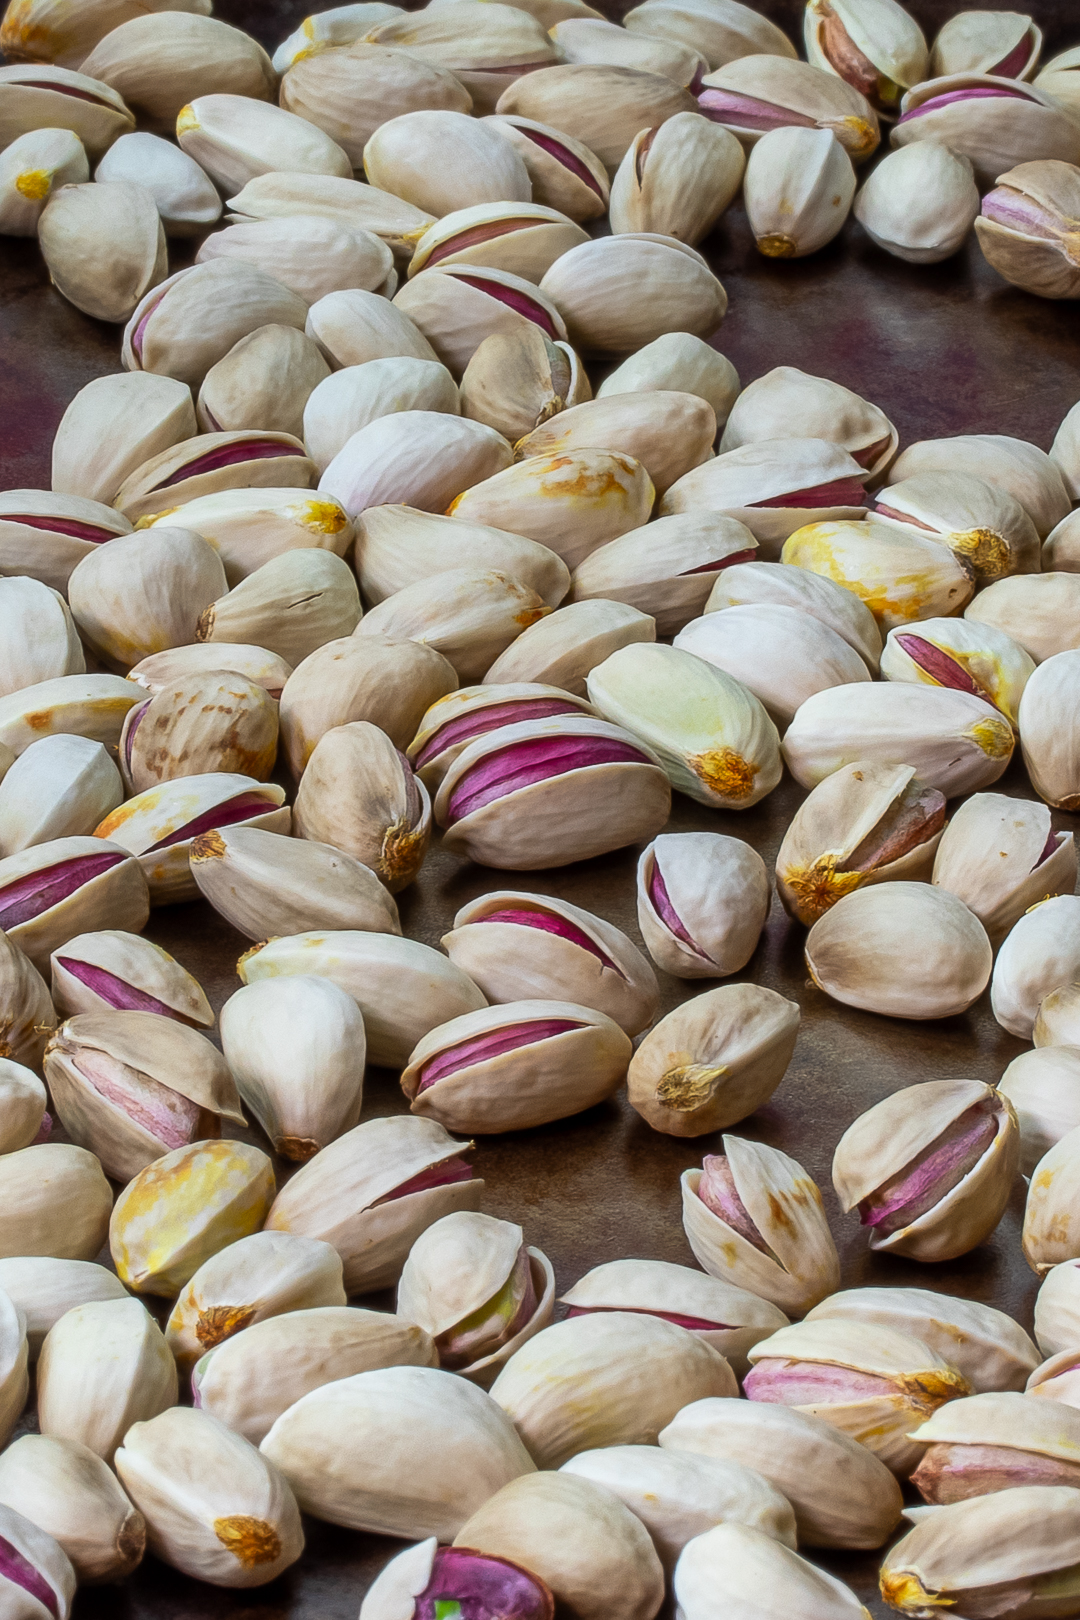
(943, 349)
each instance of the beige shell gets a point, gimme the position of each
(28, 1017)
(235, 139)
(791, 586)
(1041, 953)
(806, 94)
(358, 794)
(1059, 547)
(1047, 739)
(962, 653)
(517, 380)
(564, 172)
(264, 381)
(55, 1202)
(349, 400)
(798, 191)
(146, 595)
(596, 40)
(415, 458)
(60, 787)
(667, 432)
(522, 238)
(441, 161)
(563, 649)
(984, 525)
(66, 884)
(787, 402)
(486, 49)
(1055, 1379)
(291, 605)
(1021, 469)
(1004, 1436)
(796, 1264)
(201, 723)
(213, 463)
(873, 44)
(1055, 1022)
(112, 426)
(1005, 42)
(397, 546)
(919, 203)
(733, 1564)
(880, 1161)
(256, 663)
(43, 536)
(458, 719)
(1065, 452)
(68, 1491)
(103, 246)
(92, 706)
(600, 105)
(457, 305)
(1056, 1309)
(251, 527)
(104, 1366)
(36, 97)
(470, 615)
(280, 194)
(1036, 610)
(22, 1106)
(160, 60)
(666, 568)
(723, 32)
(1001, 856)
(677, 180)
(1016, 124)
(702, 900)
(31, 169)
(110, 971)
(1044, 1089)
(598, 290)
(326, 30)
(1024, 228)
(349, 93)
(311, 255)
(184, 195)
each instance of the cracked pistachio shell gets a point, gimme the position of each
(291, 605)
(49, 892)
(1044, 1089)
(731, 1319)
(104, 1366)
(564, 172)
(217, 721)
(404, 1451)
(267, 884)
(236, 139)
(349, 93)
(440, 161)
(1027, 228)
(1021, 469)
(38, 1580)
(191, 320)
(572, 503)
(991, 1350)
(456, 306)
(793, 1260)
(1040, 954)
(158, 826)
(866, 823)
(601, 105)
(621, 292)
(400, 546)
(1055, 1379)
(713, 736)
(55, 1201)
(986, 526)
(256, 663)
(42, 31)
(348, 400)
(326, 30)
(486, 50)
(264, 381)
(702, 900)
(677, 179)
(517, 380)
(798, 191)
(112, 971)
(721, 30)
(713, 1060)
(962, 655)
(354, 326)
(516, 1065)
(69, 1492)
(739, 1568)
(358, 793)
(112, 427)
(41, 642)
(522, 238)
(251, 527)
(597, 41)
(666, 568)
(955, 742)
(958, 1139)
(898, 1382)
(27, 1015)
(517, 946)
(470, 615)
(146, 595)
(1003, 42)
(23, 1102)
(858, 952)
(92, 706)
(462, 717)
(1007, 124)
(1057, 1305)
(471, 1283)
(390, 683)
(31, 169)
(667, 432)
(575, 1537)
(251, 1378)
(131, 1085)
(1047, 717)
(585, 787)
(562, 649)
(790, 586)
(613, 1378)
(281, 194)
(413, 458)
(307, 253)
(787, 402)
(214, 1506)
(919, 203)
(1001, 856)
(103, 246)
(162, 59)
(794, 94)
(682, 363)
(874, 45)
(210, 464)
(260, 1277)
(1036, 610)
(185, 197)
(35, 97)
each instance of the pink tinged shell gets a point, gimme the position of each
(481, 721)
(551, 923)
(936, 1171)
(21, 1572)
(563, 155)
(29, 896)
(721, 563)
(1019, 213)
(692, 1324)
(116, 991)
(138, 715)
(516, 300)
(1052, 842)
(62, 525)
(66, 90)
(661, 900)
(436, 1175)
(242, 808)
(230, 455)
(536, 759)
(840, 492)
(812, 1383)
(718, 1192)
(140, 331)
(477, 235)
(731, 107)
(976, 92)
(944, 670)
(44, 1130)
(155, 1108)
(484, 1588)
(482, 1048)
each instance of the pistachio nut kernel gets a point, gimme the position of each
(1002, 856)
(112, 971)
(963, 656)
(997, 122)
(702, 900)
(996, 1441)
(756, 94)
(875, 45)
(461, 717)
(457, 1578)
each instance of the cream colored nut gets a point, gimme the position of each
(523, 238)
(264, 381)
(28, 1016)
(349, 93)
(564, 173)
(791, 403)
(667, 432)
(757, 93)
(1005, 43)
(415, 458)
(249, 528)
(398, 546)
(35, 97)
(442, 161)
(359, 794)
(210, 464)
(310, 255)
(905, 950)
(930, 1168)
(112, 426)
(1001, 856)
(737, 1564)
(31, 169)
(41, 642)
(348, 400)
(790, 586)
(56, 1202)
(456, 306)
(1058, 79)
(103, 246)
(666, 568)
(1047, 743)
(470, 615)
(23, 1101)
(1027, 228)
(185, 196)
(900, 573)
(680, 362)
(43, 536)
(677, 179)
(919, 203)
(597, 41)
(1059, 552)
(601, 106)
(1056, 1308)
(702, 900)
(357, 206)
(1021, 469)
(1056, 1379)
(236, 139)
(723, 32)
(562, 649)
(962, 655)
(44, 32)
(464, 716)
(111, 971)
(256, 663)
(1041, 952)
(875, 45)
(1044, 1089)
(201, 723)
(146, 595)
(158, 60)
(1047, 1240)
(798, 190)
(91, 706)
(1055, 1022)
(42, 1557)
(997, 123)
(51, 891)
(1036, 610)
(104, 1366)
(65, 1488)
(619, 293)
(986, 527)
(291, 605)
(486, 50)
(517, 380)
(326, 30)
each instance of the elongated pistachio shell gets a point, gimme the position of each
(866, 823)
(185, 1207)
(205, 722)
(516, 1065)
(539, 793)
(995, 121)
(1058, 78)
(36, 97)
(1055, 1022)
(251, 527)
(1025, 229)
(601, 105)
(791, 586)
(517, 380)
(91, 706)
(954, 741)
(729, 1318)
(146, 595)
(470, 615)
(311, 255)
(735, 1564)
(677, 179)
(565, 647)
(281, 194)
(702, 900)
(963, 655)
(38, 1579)
(251, 1378)
(294, 603)
(213, 463)
(930, 1168)
(50, 891)
(596, 40)
(419, 458)
(772, 1236)
(156, 61)
(1059, 548)
(398, 546)
(60, 787)
(792, 1450)
(456, 306)
(486, 50)
(1001, 856)
(236, 139)
(905, 950)
(55, 1202)
(104, 1366)
(1048, 749)
(349, 93)
(756, 94)
(666, 568)
(1044, 1089)
(986, 526)
(1036, 610)
(373, 1191)
(159, 824)
(41, 642)
(264, 883)
(713, 736)
(900, 574)
(723, 32)
(1041, 952)
(597, 289)
(104, 247)
(185, 197)
(354, 326)
(264, 381)
(44, 1289)
(214, 1506)
(787, 402)
(919, 203)
(43, 536)
(28, 1016)
(348, 400)
(22, 1107)
(1021, 469)
(441, 161)
(462, 717)
(564, 172)
(157, 671)
(257, 1278)
(112, 426)
(1002, 42)
(667, 432)
(31, 168)
(680, 362)
(359, 794)
(111, 971)
(522, 238)
(874, 45)
(518, 946)
(798, 189)
(68, 1491)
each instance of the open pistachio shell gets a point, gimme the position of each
(995, 121)
(1001, 856)
(601, 105)
(454, 721)
(1021, 469)
(723, 33)
(516, 380)
(874, 45)
(1002, 42)
(791, 586)
(345, 401)
(33, 96)
(51, 891)
(702, 900)
(349, 93)
(471, 615)
(667, 568)
(213, 462)
(112, 971)
(43, 536)
(984, 525)
(565, 173)
(961, 654)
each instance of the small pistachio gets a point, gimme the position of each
(111, 971)
(682, 363)
(677, 178)
(358, 793)
(184, 195)
(31, 168)
(702, 900)
(919, 203)
(565, 173)
(103, 1366)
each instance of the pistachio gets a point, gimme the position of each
(919, 203)
(1036, 610)
(1044, 1089)
(440, 161)
(516, 1065)
(418, 458)
(597, 41)
(41, 32)
(667, 432)
(36, 97)
(679, 362)
(266, 883)
(326, 30)
(68, 1491)
(158, 826)
(517, 380)
(399, 546)
(346, 401)
(251, 527)
(518, 946)
(161, 59)
(264, 381)
(217, 463)
(485, 50)
(1058, 78)
(1005, 43)
(462, 717)
(422, 1450)
(756, 94)
(960, 655)
(599, 105)
(564, 172)
(131, 1086)
(996, 122)
(14, 1380)
(1041, 952)
(470, 615)
(104, 1366)
(1027, 229)
(562, 650)
(103, 246)
(791, 586)
(677, 178)
(41, 642)
(875, 45)
(723, 30)
(349, 93)
(358, 793)
(1001, 856)
(456, 306)
(702, 900)
(666, 568)
(214, 1506)
(92, 706)
(184, 195)
(37, 1577)
(798, 190)
(260, 1277)
(445, 1574)
(201, 723)
(49, 890)
(252, 1378)
(354, 326)
(157, 671)
(112, 971)
(112, 426)
(1055, 1308)
(292, 605)
(1021, 469)
(27, 1015)
(310, 255)
(1055, 1379)
(1048, 752)
(746, 1570)
(622, 292)
(282, 194)
(787, 402)
(373, 1191)
(236, 139)
(1055, 1023)
(903, 949)
(986, 527)
(43, 536)
(524, 239)
(1059, 550)
(23, 1100)
(31, 168)
(56, 1202)
(146, 595)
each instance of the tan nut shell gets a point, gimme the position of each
(996, 132)
(440, 738)
(798, 191)
(666, 568)
(719, 890)
(1044, 1089)
(723, 33)
(677, 180)
(311, 255)
(112, 426)
(993, 663)
(66, 1489)
(176, 475)
(145, 596)
(667, 432)
(1034, 1432)
(397, 546)
(484, 49)
(1047, 1239)
(787, 402)
(596, 40)
(822, 99)
(236, 139)
(517, 380)
(442, 161)
(621, 292)
(280, 195)
(1020, 468)
(22, 1106)
(114, 895)
(31, 169)
(37, 97)
(251, 527)
(599, 105)
(900, 575)
(201, 723)
(470, 615)
(456, 306)
(358, 794)
(983, 524)
(919, 203)
(103, 246)
(682, 362)
(14, 1381)
(137, 963)
(185, 197)
(524, 239)
(993, 856)
(41, 642)
(346, 401)
(1048, 747)
(792, 586)
(349, 93)
(28, 1016)
(159, 61)
(565, 173)
(60, 787)
(1056, 1308)
(92, 706)
(104, 1366)
(1055, 1023)
(1041, 953)
(256, 663)
(264, 381)
(45, 1289)
(732, 1564)
(420, 458)
(564, 648)
(291, 605)
(54, 1200)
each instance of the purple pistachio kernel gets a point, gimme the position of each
(1011, 66)
(732, 107)
(551, 923)
(483, 1048)
(911, 820)
(729, 561)
(436, 1175)
(941, 666)
(61, 525)
(29, 896)
(467, 1585)
(951, 1472)
(869, 453)
(162, 1113)
(535, 759)
(563, 155)
(72, 90)
(1019, 213)
(475, 237)
(811, 1383)
(482, 720)
(692, 1324)
(116, 991)
(1052, 842)
(230, 455)
(21, 1572)
(242, 808)
(976, 92)
(44, 1130)
(661, 901)
(839, 492)
(718, 1192)
(516, 300)
(933, 1174)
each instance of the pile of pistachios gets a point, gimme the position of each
(355, 552)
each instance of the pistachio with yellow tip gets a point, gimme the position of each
(327, 30)
(799, 188)
(667, 432)
(1014, 465)
(31, 168)
(985, 526)
(211, 463)
(236, 138)
(756, 94)
(898, 572)
(561, 649)
(960, 655)
(359, 794)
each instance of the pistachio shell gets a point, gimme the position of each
(326, 30)
(398, 546)
(92, 706)
(45, 32)
(799, 188)
(516, 380)
(1055, 1309)
(22, 1107)
(256, 663)
(264, 381)
(236, 139)
(146, 595)
(1047, 742)
(111, 971)
(564, 172)
(311, 255)
(104, 247)
(789, 402)
(293, 604)
(214, 463)
(112, 426)
(666, 568)
(31, 169)
(680, 362)
(1044, 1089)
(104, 1366)
(56, 1202)
(50, 891)
(600, 105)
(251, 527)
(667, 432)
(562, 649)
(1021, 469)
(702, 900)
(1041, 952)
(470, 615)
(454, 721)
(1008, 123)
(219, 721)
(874, 45)
(415, 458)
(1055, 1024)
(359, 794)
(1001, 856)
(161, 59)
(41, 642)
(486, 50)
(1047, 1240)
(522, 238)
(596, 40)
(736, 1565)
(723, 29)
(759, 93)
(43, 536)
(67, 1490)
(619, 293)
(40, 1559)
(351, 399)
(456, 306)
(281, 194)
(184, 195)
(677, 179)
(441, 161)
(36, 97)
(792, 586)
(774, 487)
(919, 203)
(349, 93)
(963, 655)
(28, 1017)
(1004, 42)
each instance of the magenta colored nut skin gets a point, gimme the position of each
(21, 1572)
(230, 455)
(56, 525)
(519, 302)
(562, 154)
(840, 492)
(945, 670)
(658, 894)
(692, 1324)
(550, 923)
(718, 1192)
(242, 808)
(480, 721)
(117, 992)
(954, 1155)
(482, 1048)
(438, 1175)
(980, 92)
(532, 760)
(35, 893)
(486, 1588)
(732, 107)
(732, 558)
(808, 1383)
